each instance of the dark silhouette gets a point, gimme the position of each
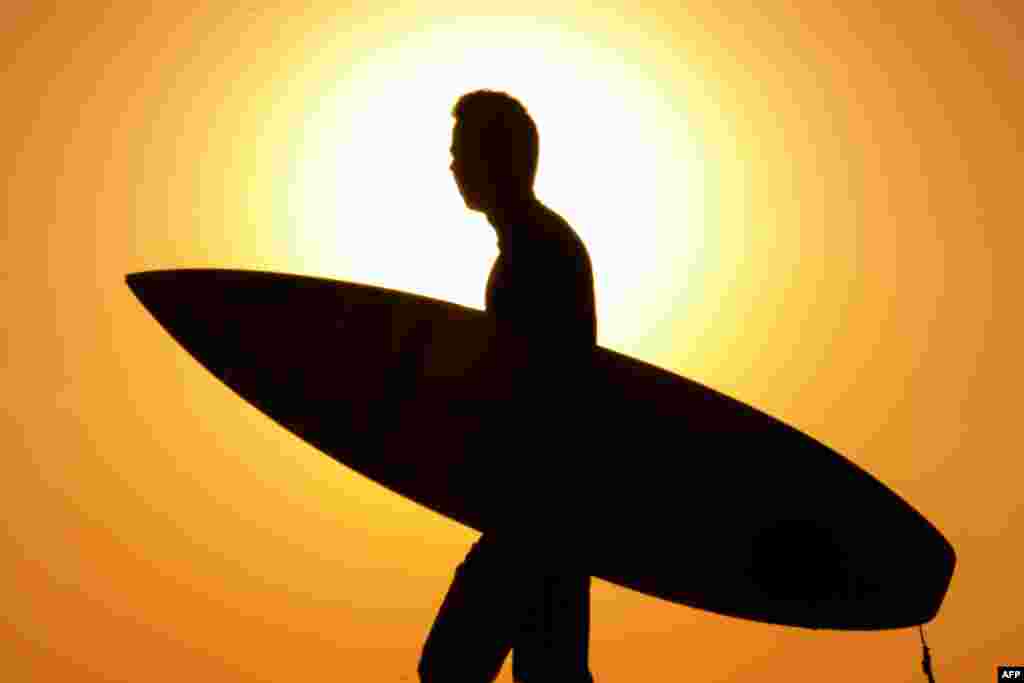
(663, 485)
(695, 497)
(515, 590)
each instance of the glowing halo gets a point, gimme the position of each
(374, 201)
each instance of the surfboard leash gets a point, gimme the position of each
(926, 658)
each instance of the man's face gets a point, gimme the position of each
(470, 171)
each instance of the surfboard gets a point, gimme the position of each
(677, 490)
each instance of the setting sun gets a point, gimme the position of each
(809, 206)
(375, 202)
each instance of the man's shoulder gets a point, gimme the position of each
(557, 236)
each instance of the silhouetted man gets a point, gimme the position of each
(514, 591)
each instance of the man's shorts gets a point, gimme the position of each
(502, 599)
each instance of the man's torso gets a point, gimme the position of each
(541, 285)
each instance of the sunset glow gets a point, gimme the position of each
(812, 207)
(375, 203)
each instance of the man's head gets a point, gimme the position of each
(494, 150)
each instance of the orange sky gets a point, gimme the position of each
(850, 269)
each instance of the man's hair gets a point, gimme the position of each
(501, 128)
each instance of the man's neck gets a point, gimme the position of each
(507, 218)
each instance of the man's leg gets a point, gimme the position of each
(474, 629)
(552, 645)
